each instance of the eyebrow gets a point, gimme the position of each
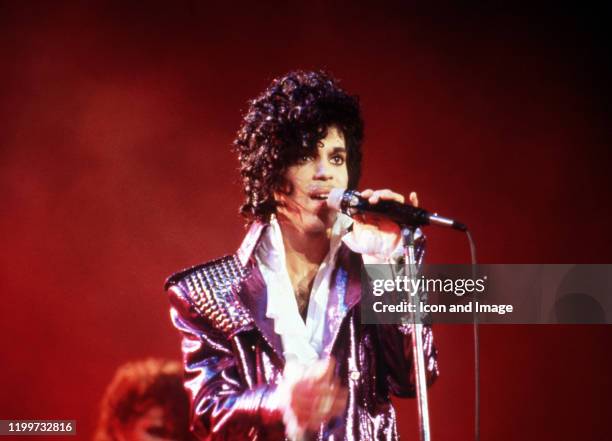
(338, 149)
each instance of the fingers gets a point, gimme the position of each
(367, 193)
(373, 196)
(327, 405)
(414, 199)
(328, 374)
(311, 409)
(385, 194)
(319, 396)
(317, 381)
(340, 402)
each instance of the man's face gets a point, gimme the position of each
(154, 425)
(309, 182)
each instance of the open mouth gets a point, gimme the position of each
(319, 197)
(319, 193)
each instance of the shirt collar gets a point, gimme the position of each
(254, 234)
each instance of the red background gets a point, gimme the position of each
(115, 170)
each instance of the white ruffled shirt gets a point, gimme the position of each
(302, 342)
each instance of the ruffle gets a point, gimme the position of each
(302, 342)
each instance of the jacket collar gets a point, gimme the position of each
(254, 297)
(253, 293)
(250, 241)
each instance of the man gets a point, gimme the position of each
(145, 401)
(273, 344)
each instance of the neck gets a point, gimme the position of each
(304, 252)
(302, 249)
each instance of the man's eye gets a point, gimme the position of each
(337, 159)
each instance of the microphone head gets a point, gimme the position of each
(334, 198)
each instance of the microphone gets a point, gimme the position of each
(350, 202)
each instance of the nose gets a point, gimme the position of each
(322, 170)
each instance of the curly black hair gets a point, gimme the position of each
(284, 124)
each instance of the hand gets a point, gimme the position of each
(374, 235)
(317, 397)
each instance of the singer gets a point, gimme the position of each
(273, 345)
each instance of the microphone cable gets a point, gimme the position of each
(476, 336)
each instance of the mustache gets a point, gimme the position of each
(291, 200)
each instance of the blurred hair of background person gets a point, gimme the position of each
(145, 401)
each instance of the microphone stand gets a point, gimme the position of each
(416, 327)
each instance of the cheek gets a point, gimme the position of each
(296, 178)
(288, 185)
(342, 177)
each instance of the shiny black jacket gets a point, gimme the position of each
(234, 359)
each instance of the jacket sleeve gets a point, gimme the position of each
(223, 407)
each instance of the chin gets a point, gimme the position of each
(317, 225)
(310, 222)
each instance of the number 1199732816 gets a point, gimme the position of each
(37, 427)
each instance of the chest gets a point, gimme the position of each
(302, 284)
